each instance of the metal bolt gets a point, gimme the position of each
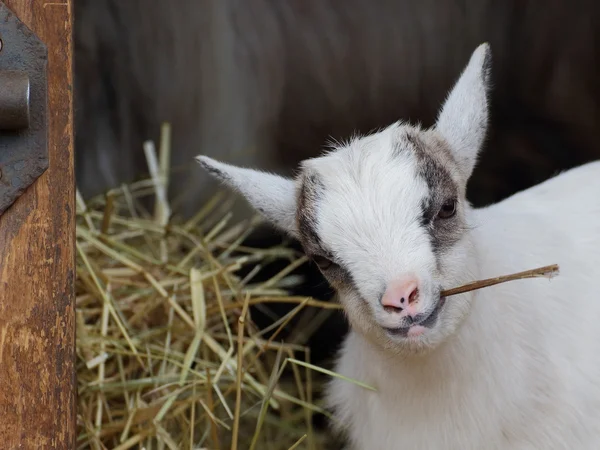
(14, 100)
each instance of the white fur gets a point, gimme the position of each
(272, 195)
(523, 370)
(463, 119)
(515, 366)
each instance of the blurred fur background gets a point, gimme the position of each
(267, 83)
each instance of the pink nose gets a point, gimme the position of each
(401, 293)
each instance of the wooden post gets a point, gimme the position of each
(37, 266)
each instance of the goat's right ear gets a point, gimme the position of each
(273, 196)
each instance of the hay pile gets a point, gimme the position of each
(168, 356)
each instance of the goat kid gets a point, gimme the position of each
(385, 217)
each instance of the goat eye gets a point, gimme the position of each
(322, 262)
(448, 209)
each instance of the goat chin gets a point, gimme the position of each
(522, 370)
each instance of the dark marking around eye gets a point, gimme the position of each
(340, 277)
(310, 193)
(323, 262)
(443, 233)
(335, 273)
(448, 209)
(413, 139)
(426, 216)
(306, 214)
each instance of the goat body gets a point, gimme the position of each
(385, 217)
(523, 371)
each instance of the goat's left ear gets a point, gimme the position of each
(463, 120)
(273, 196)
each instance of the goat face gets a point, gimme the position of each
(385, 216)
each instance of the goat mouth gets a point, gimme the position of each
(427, 322)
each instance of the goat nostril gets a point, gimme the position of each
(399, 295)
(413, 296)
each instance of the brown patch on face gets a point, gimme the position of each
(306, 217)
(438, 168)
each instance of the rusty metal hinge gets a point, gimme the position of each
(23, 108)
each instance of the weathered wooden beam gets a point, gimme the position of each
(37, 265)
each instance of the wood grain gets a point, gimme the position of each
(37, 266)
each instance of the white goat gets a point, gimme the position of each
(515, 366)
